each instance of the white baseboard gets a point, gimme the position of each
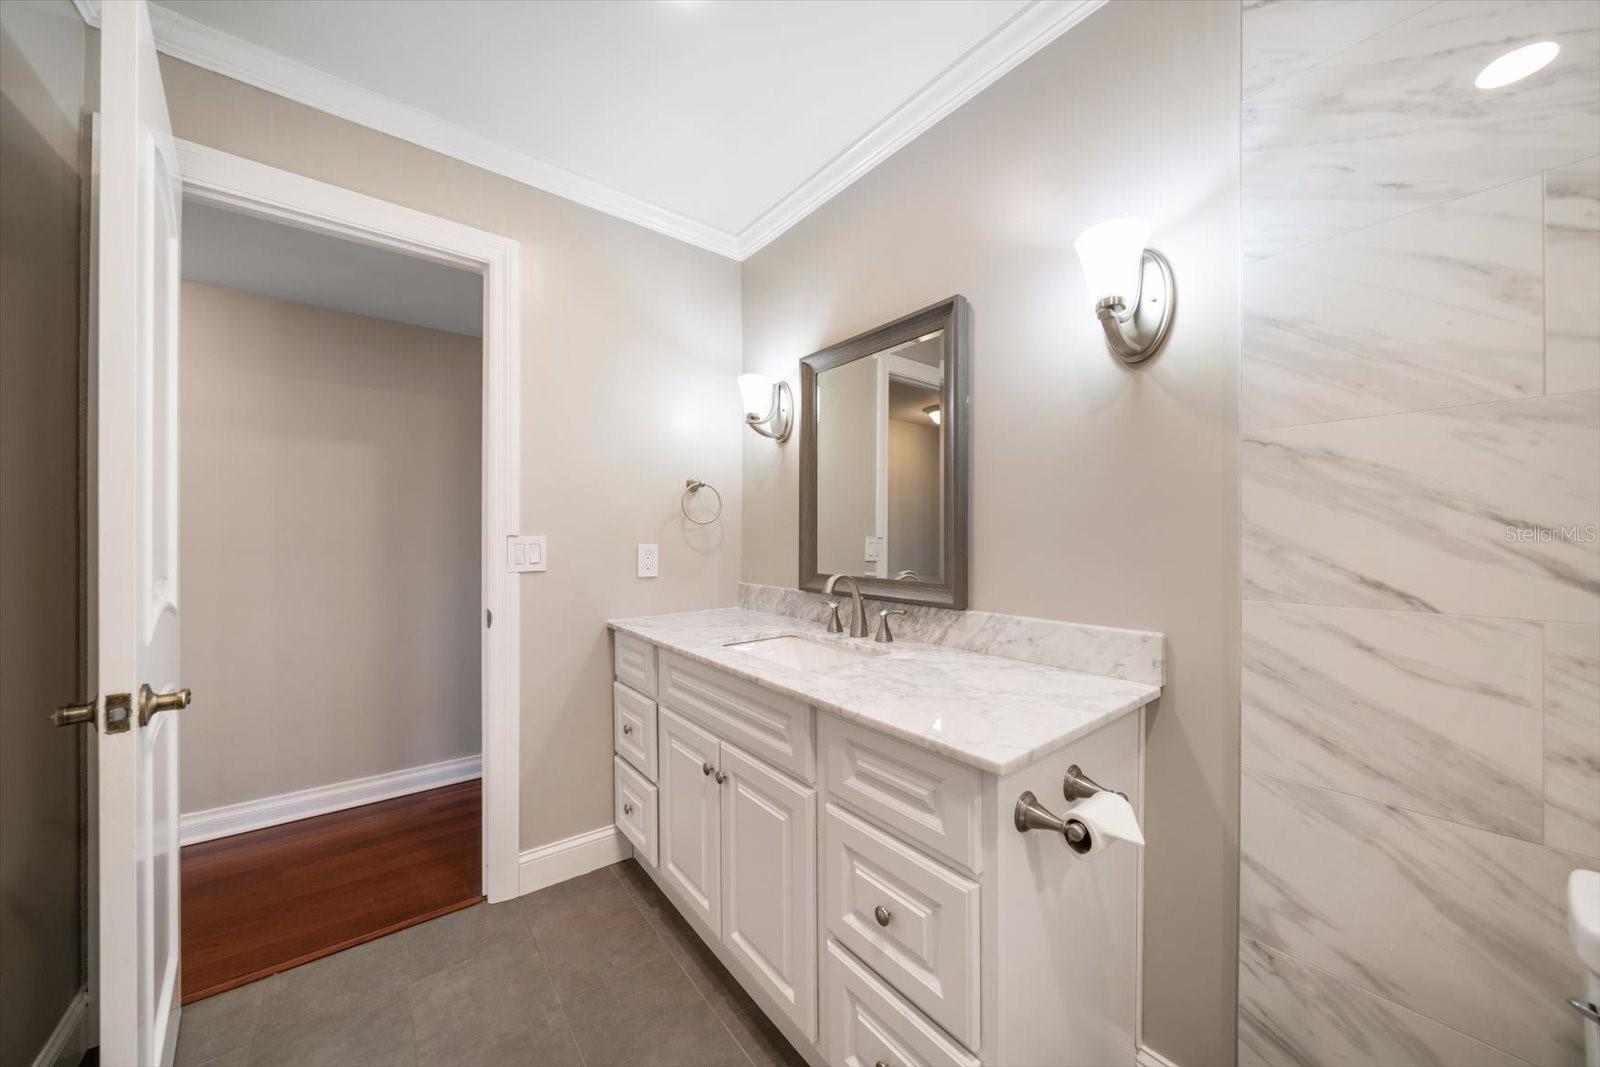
(66, 1045)
(570, 857)
(1149, 1057)
(233, 819)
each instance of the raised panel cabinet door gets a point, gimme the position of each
(690, 826)
(769, 898)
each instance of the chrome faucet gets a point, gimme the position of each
(858, 614)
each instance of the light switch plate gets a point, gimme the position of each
(649, 561)
(874, 549)
(524, 554)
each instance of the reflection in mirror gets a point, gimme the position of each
(880, 464)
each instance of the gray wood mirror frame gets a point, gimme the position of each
(885, 429)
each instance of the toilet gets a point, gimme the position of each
(1583, 921)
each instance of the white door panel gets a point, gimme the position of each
(138, 219)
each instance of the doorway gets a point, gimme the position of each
(449, 796)
(329, 433)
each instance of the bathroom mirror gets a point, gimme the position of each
(883, 459)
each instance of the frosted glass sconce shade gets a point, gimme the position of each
(1130, 285)
(1112, 254)
(768, 405)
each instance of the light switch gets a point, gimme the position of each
(649, 561)
(524, 554)
(874, 549)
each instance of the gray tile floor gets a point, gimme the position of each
(599, 971)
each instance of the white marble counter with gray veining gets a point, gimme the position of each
(992, 713)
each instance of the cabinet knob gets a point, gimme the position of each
(722, 776)
(706, 768)
(881, 1063)
(882, 914)
(627, 809)
(627, 727)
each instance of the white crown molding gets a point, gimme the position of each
(1027, 32)
(197, 826)
(1024, 34)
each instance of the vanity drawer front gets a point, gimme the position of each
(634, 662)
(928, 799)
(633, 728)
(764, 724)
(636, 810)
(924, 941)
(868, 1023)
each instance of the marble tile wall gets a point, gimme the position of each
(1421, 572)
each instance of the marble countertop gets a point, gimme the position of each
(992, 713)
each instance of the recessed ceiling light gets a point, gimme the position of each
(1517, 64)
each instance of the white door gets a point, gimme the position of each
(138, 197)
(769, 881)
(689, 832)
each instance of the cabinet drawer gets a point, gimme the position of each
(636, 810)
(928, 799)
(633, 728)
(634, 662)
(868, 1023)
(771, 727)
(924, 941)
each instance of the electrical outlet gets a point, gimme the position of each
(649, 561)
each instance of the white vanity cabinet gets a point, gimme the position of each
(875, 897)
(735, 839)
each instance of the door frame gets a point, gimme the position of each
(239, 184)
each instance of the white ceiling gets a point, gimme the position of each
(721, 123)
(255, 255)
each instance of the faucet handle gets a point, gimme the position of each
(835, 624)
(883, 636)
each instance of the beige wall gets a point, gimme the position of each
(42, 51)
(330, 480)
(630, 354)
(1101, 494)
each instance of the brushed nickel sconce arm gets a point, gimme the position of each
(779, 419)
(1135, 332)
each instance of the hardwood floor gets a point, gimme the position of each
(258, 903)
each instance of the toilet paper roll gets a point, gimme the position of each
(1106, 819)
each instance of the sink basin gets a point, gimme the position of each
(801, 653)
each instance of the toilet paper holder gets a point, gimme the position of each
(1032, 815)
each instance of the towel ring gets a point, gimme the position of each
(691, 487)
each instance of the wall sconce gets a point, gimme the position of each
(1131, 285)
(768, 405)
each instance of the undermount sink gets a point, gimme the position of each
(801, 653)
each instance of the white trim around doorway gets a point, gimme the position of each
(243, 185)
